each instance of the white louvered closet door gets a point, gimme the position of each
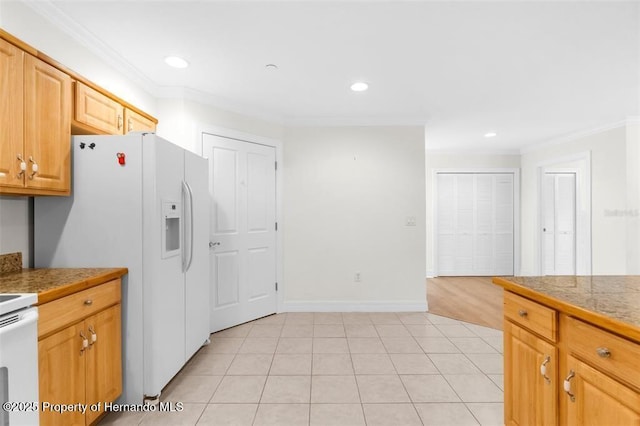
(475, 224)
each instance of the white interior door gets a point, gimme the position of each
(242, 187)
(559, 223)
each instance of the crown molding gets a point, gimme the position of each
(371, 121)
(474, 151)
(576, 135)
(84, 37)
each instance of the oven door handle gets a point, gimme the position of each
(27, 318)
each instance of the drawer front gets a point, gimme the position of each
(531, 315)
(59, 313)
(604, 351)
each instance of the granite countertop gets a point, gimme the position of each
(612, 302)
(53, 283)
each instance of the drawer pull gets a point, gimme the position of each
(543, 369)
(603, 352)
(523, 313)
(567, 385)
(88, 302)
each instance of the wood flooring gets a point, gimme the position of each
(471, 299)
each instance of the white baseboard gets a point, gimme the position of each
(353, 306)
(431, 274)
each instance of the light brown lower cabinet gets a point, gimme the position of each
(530, 378)
(80, 356)
(598, 399)
(582, 375)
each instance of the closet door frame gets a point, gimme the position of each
(516, 209)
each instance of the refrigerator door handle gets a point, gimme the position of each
(190, 192)
(184, 226)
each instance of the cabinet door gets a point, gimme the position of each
(136, 122)
(61, 364)
(98, 111)
(599, 400)
(530, 397)
(104, 367)
(47, 126)
(11, 114)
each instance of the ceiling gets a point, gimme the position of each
(530, 71)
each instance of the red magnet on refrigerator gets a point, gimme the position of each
(121, 158)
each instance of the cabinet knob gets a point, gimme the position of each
(603, 352)
(523, 313)
(129, 125)
(119, 121)
(88, 302)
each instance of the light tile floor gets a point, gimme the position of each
(339, 369)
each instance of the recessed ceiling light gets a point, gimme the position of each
(176, 62)
(490, 135)
(359, 86)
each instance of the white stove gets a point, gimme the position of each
(15, 301)
(18, 359)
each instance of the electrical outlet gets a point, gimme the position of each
(411, 221)
(357, 278)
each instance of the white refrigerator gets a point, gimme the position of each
(140, 202)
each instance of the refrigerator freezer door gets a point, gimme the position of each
(163, 288)
(197, 276)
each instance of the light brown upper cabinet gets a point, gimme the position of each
(94, 109)
(135, 122)
(97, 113)
(35, 124)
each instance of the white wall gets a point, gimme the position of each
(437, 160)
(15, 227)
(348, 192)
(633, 197)
(608, 193)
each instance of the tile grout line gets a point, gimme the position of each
(413, 404)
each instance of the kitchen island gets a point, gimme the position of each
(79, 337)
(572, 350)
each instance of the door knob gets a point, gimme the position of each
(212, 244)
